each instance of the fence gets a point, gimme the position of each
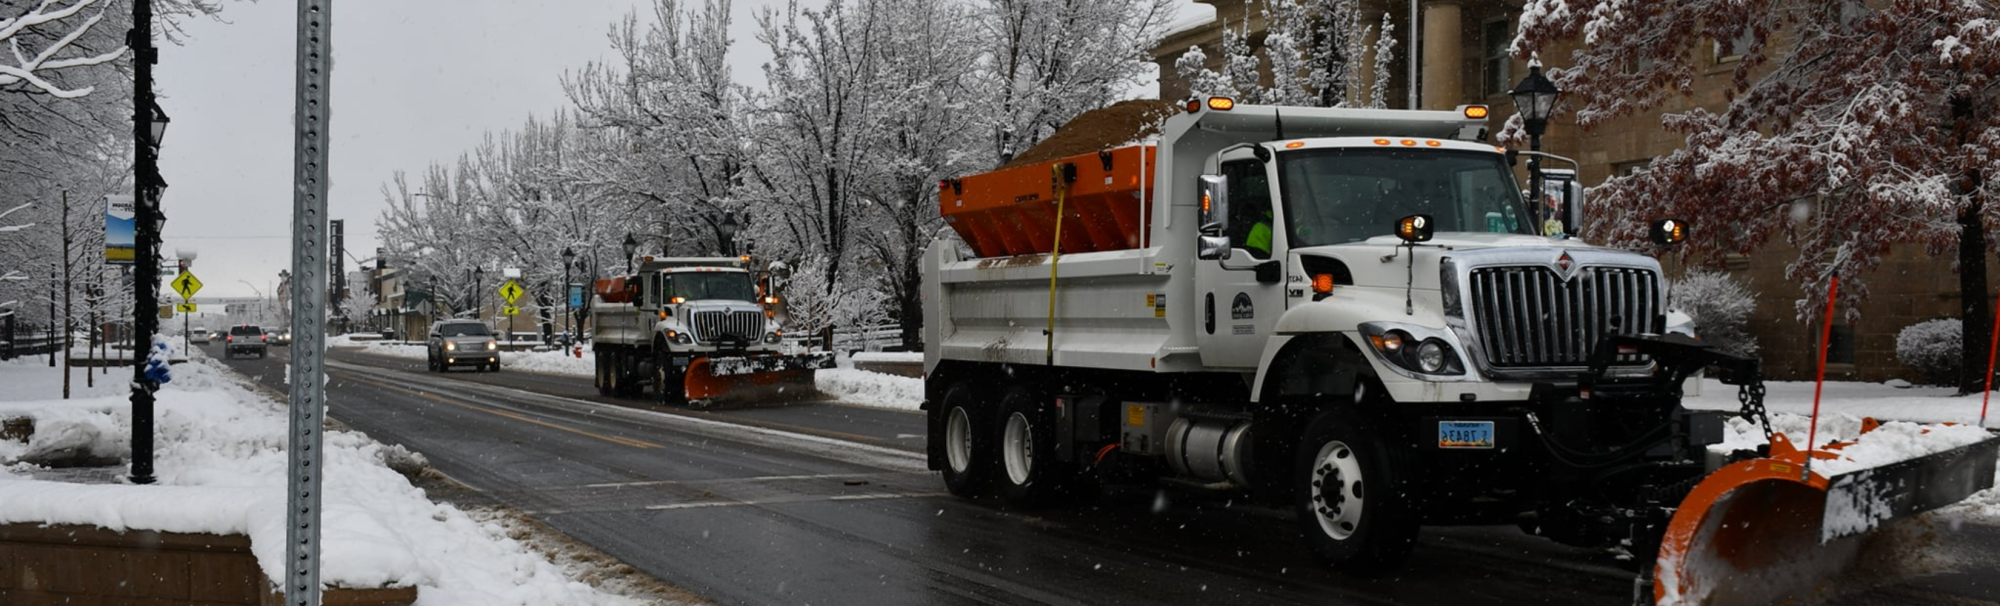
(878, 338)
(15, 341)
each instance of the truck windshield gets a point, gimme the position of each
(1335, 196)
(696, 286)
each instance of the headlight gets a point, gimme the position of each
(679, 337)
(1430, 356)
(774, 337)
(1413, 350)
(450, 346)
(490, 346)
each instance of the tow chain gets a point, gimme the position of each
(1751, 395)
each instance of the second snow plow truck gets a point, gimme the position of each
(700, 330)
(1354, 313)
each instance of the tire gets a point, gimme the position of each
(603, 378)
(1366, 525)
(969, 456)
(1029, 473)
(614, 376)
(670, 386)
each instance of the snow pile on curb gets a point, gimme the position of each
(870, 389)
(221, 468)
(550, 362)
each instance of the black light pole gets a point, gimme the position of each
(1535, 98)
(728, 230)
(568, 256)
(432, 299)
(631, 246)
(478, 298)
(55, 286)
(148, 129)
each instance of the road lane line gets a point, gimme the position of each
(623, 441)
(791, 501)
(823, 476)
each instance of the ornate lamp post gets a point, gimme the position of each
(568, 256)
(1535, 98)
(728, 230)
(149, 127)
(631, 246)
(478, 298)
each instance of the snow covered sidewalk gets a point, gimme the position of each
(221, 464)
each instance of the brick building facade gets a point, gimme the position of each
(1462, 49)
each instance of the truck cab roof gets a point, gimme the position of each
(652, 264)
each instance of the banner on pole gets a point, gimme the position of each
(120, 225)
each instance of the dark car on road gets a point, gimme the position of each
(462, 343)
(245, 339)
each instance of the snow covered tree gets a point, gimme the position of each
(1720, 307)
(1316, 51)
(1932, 348)
(1850, 127)
(1045, 61)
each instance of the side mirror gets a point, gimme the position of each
(1214, 248)
(1414, 228)
(1214, 193)
(1668, 232)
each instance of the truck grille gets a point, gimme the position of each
(714, 325)
(1530, 317)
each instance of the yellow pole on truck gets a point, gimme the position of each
(1059, 181)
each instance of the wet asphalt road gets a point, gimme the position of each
(830, 504)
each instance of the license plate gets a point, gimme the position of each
(1465, 434)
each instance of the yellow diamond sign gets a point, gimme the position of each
(511, 291)
(187, 285)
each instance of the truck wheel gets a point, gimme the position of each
(1353, 501)
(603, 378)
(1030, 475)
(669, 385)
(968, 453)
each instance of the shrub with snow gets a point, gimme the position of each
(1931, 348)
(1720, 307)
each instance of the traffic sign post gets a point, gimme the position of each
(511, 291)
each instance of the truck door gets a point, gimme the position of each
(1236, 310)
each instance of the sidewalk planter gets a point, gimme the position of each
(74, 564)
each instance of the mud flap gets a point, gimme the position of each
(742, 379)
(1760, 531)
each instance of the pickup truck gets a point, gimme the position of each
(244, 339)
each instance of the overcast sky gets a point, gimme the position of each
(413, 83)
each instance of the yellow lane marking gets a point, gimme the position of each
(623, 441)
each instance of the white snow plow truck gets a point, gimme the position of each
(1354, 313)
(701, 330)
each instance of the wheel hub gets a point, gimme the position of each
(1337, 495)
(1019, 449)
(958, 441)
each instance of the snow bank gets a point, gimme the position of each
(221, 465)
(887, 356)
(870, 389)
(1856, 400)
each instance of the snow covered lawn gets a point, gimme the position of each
(221, 463)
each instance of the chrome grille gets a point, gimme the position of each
(713, 325)
(1528, 316)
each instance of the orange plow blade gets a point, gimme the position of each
(737, 380)
(1764, 531)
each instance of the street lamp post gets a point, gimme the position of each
(478, 298)
(569, 256)
(728, 230)
(149, 126)
(1535, 98)
(631, 246)
(55, 286)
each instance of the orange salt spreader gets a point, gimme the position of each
(1107, 204)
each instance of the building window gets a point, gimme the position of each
(1629, 168)
(1840, 345)
(1732, 51)
(1496, 61)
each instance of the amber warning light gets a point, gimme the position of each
(1477, 112)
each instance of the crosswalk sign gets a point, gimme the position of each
(509, 310)
(184, 307)
(187, 285)
(511, 291)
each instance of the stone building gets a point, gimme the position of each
(1462, 59)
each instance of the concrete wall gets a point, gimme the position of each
(89, 566)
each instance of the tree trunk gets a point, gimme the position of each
(1976, 320)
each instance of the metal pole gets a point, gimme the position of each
(52, 313)
(145, 257)
(1540, 206)
(308, 389)
(1413, 58)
